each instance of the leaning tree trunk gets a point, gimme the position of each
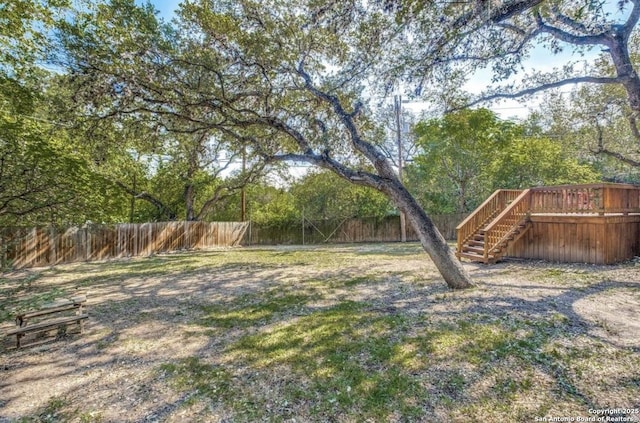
(386, 181)
(431, 239)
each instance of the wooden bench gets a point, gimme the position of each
(60, 316)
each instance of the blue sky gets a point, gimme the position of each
(165, 7)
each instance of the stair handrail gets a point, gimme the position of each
(479, 216)
(506, 221)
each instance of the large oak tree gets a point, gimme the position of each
(288, 81)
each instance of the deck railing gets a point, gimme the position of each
(501, 218)
(586, 199)
(621, 199)
(502, 226)
(485, 212)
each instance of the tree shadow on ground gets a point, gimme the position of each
(252, 342)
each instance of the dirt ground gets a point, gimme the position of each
(144, 316)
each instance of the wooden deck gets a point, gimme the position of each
(595, 223)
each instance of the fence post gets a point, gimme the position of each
(303, 226)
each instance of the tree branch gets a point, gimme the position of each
(230, 189)
(571, 23)
(162, 208)
(619, 157)
(633, 124)
(377, 158)
(511, 9)
(614, 154)
(634, 17)
(567, 36)
(533, 90)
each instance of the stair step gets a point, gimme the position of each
(476, 250)
(475, 242)
(475, 257)
(508, 231)
(470, 255)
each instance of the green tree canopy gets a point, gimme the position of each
(466, 155)
(530, 161)
(324, 195)
(43, 179)
(457, 149)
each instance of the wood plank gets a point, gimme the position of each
(586, 239)
(557, 218)
(606, 252)
(571, 242)
(21, 318)
(46, 324)
(592, 243)
(564, 242)
(615, 235)
(551, 235)
(578, 244)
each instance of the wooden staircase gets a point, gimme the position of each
(500, 221)
(474, 248)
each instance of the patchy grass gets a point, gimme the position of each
(203, 380)
(20, 292)
(250, 310)
(61, 410)
(336, 333)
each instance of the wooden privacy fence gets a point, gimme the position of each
(33, 247)
(345, 231)
(20, 247)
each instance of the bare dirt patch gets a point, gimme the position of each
(335, 333)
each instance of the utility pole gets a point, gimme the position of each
(397, 100)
